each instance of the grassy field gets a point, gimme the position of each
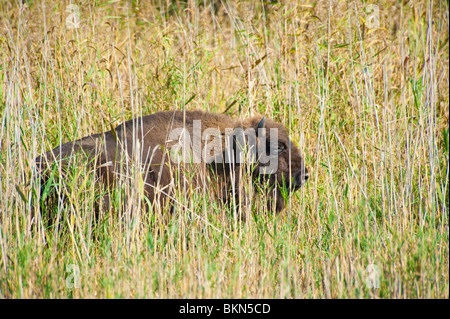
(363, 90)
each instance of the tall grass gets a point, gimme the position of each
(367, 104)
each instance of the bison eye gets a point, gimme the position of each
(281, 148)
(275, 149)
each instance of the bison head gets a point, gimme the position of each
(276, 161)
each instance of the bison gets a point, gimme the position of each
(172, 147)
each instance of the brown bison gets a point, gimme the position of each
(170, 148)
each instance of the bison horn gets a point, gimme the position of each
(261, 123)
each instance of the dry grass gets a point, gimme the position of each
(368, 106)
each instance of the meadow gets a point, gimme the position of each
(362, 88)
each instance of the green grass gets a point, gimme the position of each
(368, 107)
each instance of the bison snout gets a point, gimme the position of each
(300, 178)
